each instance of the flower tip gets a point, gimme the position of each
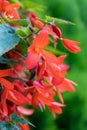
(71, 45)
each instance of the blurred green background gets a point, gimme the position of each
(74, 115)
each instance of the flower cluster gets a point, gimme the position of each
(9, 10)
(37, 77)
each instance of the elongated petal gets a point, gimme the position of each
(50, 31)
(70, 45)
(25, 111)
(32, 60)
(6, 72)
(3, 101)
(56, 30)
(5, 83)
(49, 57)
(67, 85)
(41, 69)
(55, 108)
(58, 104)
(54, 71)
(59, 94)
(17, 98)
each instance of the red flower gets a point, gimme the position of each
(9, 94)
(5, 83)
(70, 45)
(49, 29)
(9, 10)
(65, 85)
(34, 51)
(55, 108)
(24, 127)
(34, 20)
(3, 4)
(15, 97)
(41, 96)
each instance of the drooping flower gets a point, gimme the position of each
(71, 45)
(56, 30)
(34, 20)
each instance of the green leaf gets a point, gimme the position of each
(8, 38)
(50, 19)
(23, 31)
(31, 5)
(19, 120)
(21, 22)
(23, 46)
(12, 126)
(15, 1)
(54, 51)
(2, 124)
(8, 126)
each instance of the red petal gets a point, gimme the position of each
(70, 45)
(32, 60)
(13, 15)
(11, 11)
(58, 104)
(7, 84)
(55, 108)
(38, 24)
(34, 20)
(25, 111)
(63, 68)
(49, 58)
(66, 85)
(56, 30)
(57, 81)
(3, 4)
(17, 98)
(49, 30)
(24, 127)
(59, 95)
(61, 59)
(40, 70)
(3, 101)
(6, 72)
(41, 40)
(12, 7)
(54, 71)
